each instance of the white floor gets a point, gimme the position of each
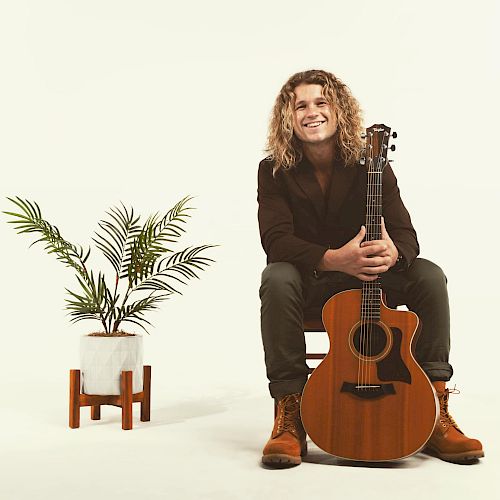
(208, 447)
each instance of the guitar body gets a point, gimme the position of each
(368, 399)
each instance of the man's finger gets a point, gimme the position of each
(374, 270)
(361, 234)
(373, 242)
(366, 277)
(373, 250)
(375, 261)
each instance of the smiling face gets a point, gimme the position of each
(314, 120)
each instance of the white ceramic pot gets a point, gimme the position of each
(102, 360)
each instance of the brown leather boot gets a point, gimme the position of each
(448, 442)
(288, 440)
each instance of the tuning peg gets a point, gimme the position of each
(394, 135)
(393, 147)
(362, 161)
(363, 136)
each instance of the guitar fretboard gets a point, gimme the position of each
(377, 138)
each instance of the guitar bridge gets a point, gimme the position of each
(368, 391)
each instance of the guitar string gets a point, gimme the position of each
(361, 360)
(360, 355)
(379, 207)
(365, 296)
(371, 287)
(361, 322)
(368, 284)
(380, 168)
(374, 210)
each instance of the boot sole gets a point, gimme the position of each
(281, 461)
(465, 457)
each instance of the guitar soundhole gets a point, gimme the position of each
(370, 340)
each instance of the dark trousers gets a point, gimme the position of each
(285, 294)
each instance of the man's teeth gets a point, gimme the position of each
(313, 124)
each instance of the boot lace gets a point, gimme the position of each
(288, 414)
(445, 418)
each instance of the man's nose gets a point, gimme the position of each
(312, 111)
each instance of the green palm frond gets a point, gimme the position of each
(133, 313)
(116, 245)
(178, 213)
(93, 303)
(31, 221)
(149, 243)
(180, 266)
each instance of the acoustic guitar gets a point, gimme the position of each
(369, 399)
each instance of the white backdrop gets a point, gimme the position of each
(145, 102)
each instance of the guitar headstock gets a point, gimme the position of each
(377, 147)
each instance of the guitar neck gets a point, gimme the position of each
(377, 138)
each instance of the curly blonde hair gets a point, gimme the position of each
(282, 144)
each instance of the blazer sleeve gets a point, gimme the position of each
(397, 220)
(277, 227)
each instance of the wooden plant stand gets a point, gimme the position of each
(124, 400)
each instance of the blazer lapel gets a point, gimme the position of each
(304, 176)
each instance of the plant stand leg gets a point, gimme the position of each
(126, 397)
(146, 398)
(74, 399)
(95, 412)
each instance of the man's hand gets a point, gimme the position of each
(365, 260)
(389, 250)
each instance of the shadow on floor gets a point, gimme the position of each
(178, 412)
(316, 456)
(187, 410)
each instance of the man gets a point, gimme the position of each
(312, 201)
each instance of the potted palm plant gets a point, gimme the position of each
(143, 267)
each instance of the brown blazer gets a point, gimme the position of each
(298, 224)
